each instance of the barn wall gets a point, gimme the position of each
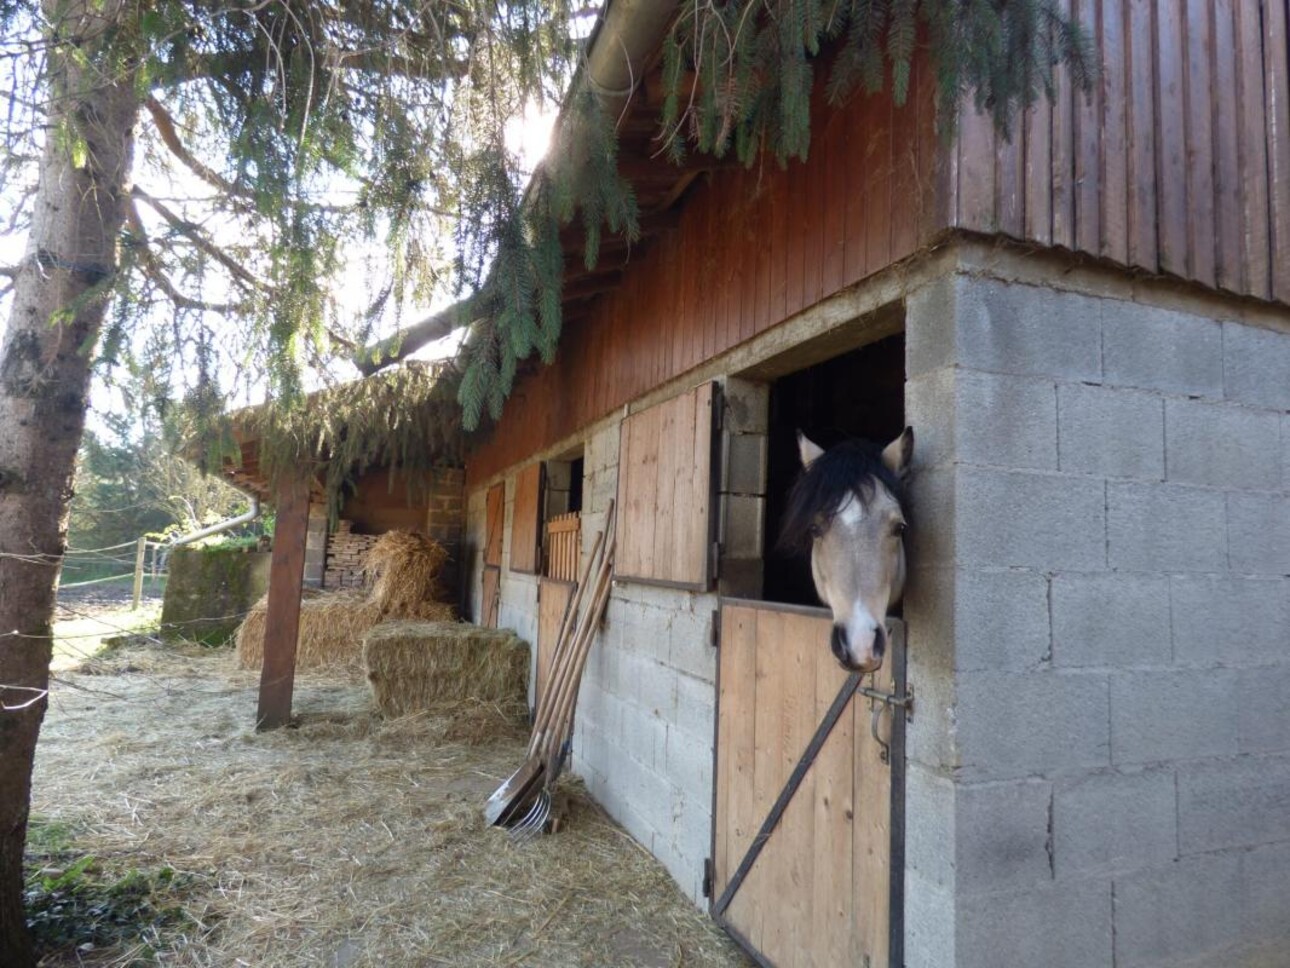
(1100, 758)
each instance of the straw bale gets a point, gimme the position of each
(412, 666)
(332, 625)
(405, 567)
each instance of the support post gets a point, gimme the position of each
(282, 621)
(140, 553)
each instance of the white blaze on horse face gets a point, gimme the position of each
(858, 563)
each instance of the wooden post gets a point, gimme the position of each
(140, 552)
(282, 621)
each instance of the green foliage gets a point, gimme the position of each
(72, 900)
(739, 73)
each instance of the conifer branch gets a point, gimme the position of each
(165, 125)
(142, 247)
(408, 340)
(191, 232)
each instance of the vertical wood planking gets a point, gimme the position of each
(491, 591)
(1253, 140)
(904, 175)
(682, 473)
(282, 618)
(1143, 249)
(668, 512)
(872, 846)
(1171, 137)
(494, 518)
(768, 757)
(553, 599)
(1088, 142)
(798, 647)
(834, 217)
(1039, 166)
(1227, 162)
(735, 818)
(832, 890)
(1063, 151)
(1277, 97)
(780, 245)
(977, 165)
(526, 519)
(1113, 157)
(694, 561)
(856, 163)
(642, 508)
(878, 169)
(1202, 232)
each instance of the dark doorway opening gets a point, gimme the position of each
(857, 394)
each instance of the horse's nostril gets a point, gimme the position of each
(838, 642)
(879, 642)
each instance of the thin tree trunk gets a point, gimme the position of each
(60, 298)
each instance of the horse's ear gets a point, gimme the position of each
(808, 448)
(897, 454)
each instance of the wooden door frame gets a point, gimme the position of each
(896, 752)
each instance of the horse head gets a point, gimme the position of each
(846, 509)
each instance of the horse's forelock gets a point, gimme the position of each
(822, 489)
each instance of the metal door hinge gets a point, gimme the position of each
(714, 631)
(707, 877)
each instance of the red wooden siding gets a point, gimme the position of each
(752, 247)
(1178, 163)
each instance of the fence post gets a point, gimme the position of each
(140, 551)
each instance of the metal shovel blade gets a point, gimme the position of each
(512, 793)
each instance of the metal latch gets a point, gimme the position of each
(879, 701)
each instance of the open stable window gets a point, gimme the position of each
(526, 520)
(666, 467)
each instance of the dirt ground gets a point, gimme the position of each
(348, 841)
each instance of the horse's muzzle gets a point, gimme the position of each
(841, 651)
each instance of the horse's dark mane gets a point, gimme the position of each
(822, 487)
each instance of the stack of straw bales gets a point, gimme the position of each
(412, 666)
(406, 569)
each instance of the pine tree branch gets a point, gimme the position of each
(191, 232)
(165, 125)
(411, 338)
(152, 268)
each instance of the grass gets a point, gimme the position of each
(77, 639)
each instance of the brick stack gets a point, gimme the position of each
(345, 554)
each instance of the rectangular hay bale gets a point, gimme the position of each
(332, 625)
(413, 665)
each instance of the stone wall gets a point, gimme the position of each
(210, 590)
(1099, 770)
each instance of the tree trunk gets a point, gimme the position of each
(60, 298)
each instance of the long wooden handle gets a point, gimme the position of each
(565, 641)
(582, 648)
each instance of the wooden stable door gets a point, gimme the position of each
(553, 602)
(824, 888)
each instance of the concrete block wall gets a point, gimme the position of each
(645, 717)
(1099, 632)
(315, 545)
(445, 515)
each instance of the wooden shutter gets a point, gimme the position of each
(491, 590)
(526, 519)
(496, 515)
(665, 491)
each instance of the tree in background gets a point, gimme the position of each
(193, 175)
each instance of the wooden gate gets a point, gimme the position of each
(809, 791)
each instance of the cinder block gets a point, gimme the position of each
(1159, 349)
(747, 404)
(1001, 833)
(1062, 925)
(1001, 620)
(1230, 621)
(1110, 822)
(1025, 724)
(1222, 444)
(1258, 533)
(929, 830)
(1029, 520)
(1233, 803)
(931, 736)
(1005, 420)
(931, 325)
(1009, 328)
(689, 762)
(930, 410)
(1263, 715)
(1111, 620)
(1266, 872)
(1183, 913)
(695, 707)
(691, 832)
(929, 923)
(644, 737)
(1180, 715)
(1256, 362)
(743, 464)
(929, 615)
(931, 539)
(1109, 432)
(743, 533)
(657, 690)
(1165, 527)
(690, 641)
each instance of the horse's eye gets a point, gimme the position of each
(815, 530)
(898, 529)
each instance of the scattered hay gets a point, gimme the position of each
(413, 665)
(406, 568)
(351, 840)
(332, 625)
